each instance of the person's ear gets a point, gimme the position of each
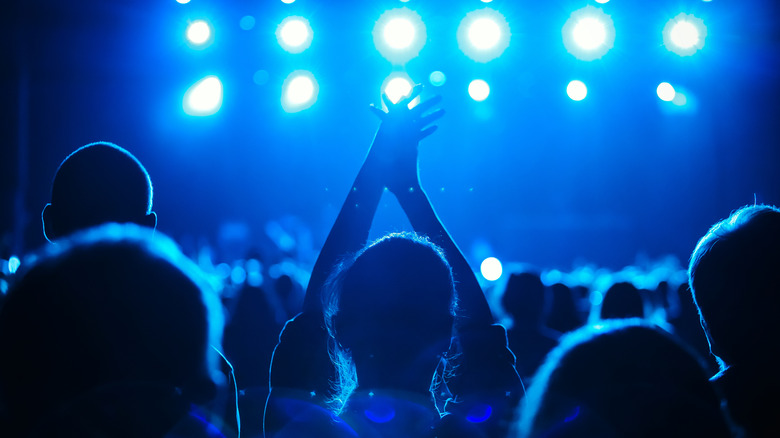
(150, 220)
(46, 218)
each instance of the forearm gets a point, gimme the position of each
(472, 304)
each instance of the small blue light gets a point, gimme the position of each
(479, 413)
(260, 77)
(573, 415)
(437, 78)
(247, 22)
(380, 413)
(238, 275)
(13, 264)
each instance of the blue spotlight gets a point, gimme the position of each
(287, 2)
(437, 78)
(398, 85)
(576, 90)
(13, 264)
(684, 34)
(299, 91)
(183, 2)
(589, 33)
(479, 90)
(294, 34)
(203, 98)
(483, 35)
(247, 22)
(199, 33)
(665, 91)
(399, 35)
(491, 269)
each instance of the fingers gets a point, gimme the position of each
(425, 106)
(378, 112)
(426, 132)
(386, 99)
(416, 91)
(430, 118)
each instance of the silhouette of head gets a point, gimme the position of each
(391, 307)
(524, 298)
(622, 300)
(563, 315)
(734, 276)
(111, 307)
(96, 184)
(621, 378)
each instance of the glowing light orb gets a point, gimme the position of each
(300, 91)
(437, 78)
(13, 264)
(665, 91)
(483, 35)
(491, 269)
(247, 22)
(479, 90)
(576, 90)
(399, 33)
(397, 87)
(589, 33)
(203, 98)
(198, 32)
(294, 34)
(684, 34)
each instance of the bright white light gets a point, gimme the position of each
(397, 88)
(484, 33)
(13, 264)
(399, 33)
(198, 32)
(287, 2)
(183, 2)
(665, 91)
(589, 33)
(294, 34)
(602, 1)
(684, 34)
(203, 98)
(491, 269)
(479, 90)
(300, 91)
(576, 90)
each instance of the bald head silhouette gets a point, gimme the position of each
(98, 183)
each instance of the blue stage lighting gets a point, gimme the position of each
(483, 35)
(398, 85)
(299, 91)
(665, 91)
(247, 22)
(684, 34)
(287, 2)
(491, 269)
(294, 34)
(479, 90)
(589, 33)
(183, 2)
(199, 33)
(203, 98)
(13, 264)
(576, 90)
(399, 35)
(437, 78)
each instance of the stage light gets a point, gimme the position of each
(260, 77)
(13, 264)
(294, 34)
(665, 91)
(679, 99)
(437, 78)
(684, 34)
(491, 269)
(203, 98)
(399, 35)
(183, 2)
(479, 90)
(247, 22)
(299, 91)
(287, 2)
(483, 35)
(576, 90)
(199, 32)
(589, 33)
(397, 86)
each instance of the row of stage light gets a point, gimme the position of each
(400, 34)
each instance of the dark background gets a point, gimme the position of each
(527, 175)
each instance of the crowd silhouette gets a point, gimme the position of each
(111, 331)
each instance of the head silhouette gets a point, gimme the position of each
(390, 309)
(96, 184)
(622, 300)
(621, 378)
(111, 307)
